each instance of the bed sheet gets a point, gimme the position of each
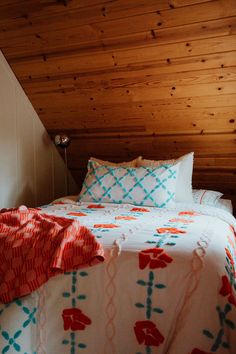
(167, 286)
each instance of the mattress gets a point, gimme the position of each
(222, 203)
(167, 286)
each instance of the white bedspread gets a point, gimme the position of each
(168, 287)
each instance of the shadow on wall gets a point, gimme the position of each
(26, 197)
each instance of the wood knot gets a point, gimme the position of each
(63, 2)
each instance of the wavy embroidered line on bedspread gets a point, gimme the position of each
(42, 319)
(196, 267)
(110, 291)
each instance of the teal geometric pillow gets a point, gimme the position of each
(150, 186)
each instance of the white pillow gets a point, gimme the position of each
(184, 179)
(151, 186)
(206, 197)
(225, 204)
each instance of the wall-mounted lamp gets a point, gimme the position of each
(63, 141)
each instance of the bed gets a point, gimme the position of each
(167, 286)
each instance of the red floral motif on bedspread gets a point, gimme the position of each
(184, 221)
(198, 351)
(232, 230)
(171, 230)
(226, 290)
(140, 210)
(147, 333)
(229, 280)
(77, 214)
(105, 226)
(75, 320)
(232, 244)
(230, 258)
(124, 217)
(154, 258)
(188, 213)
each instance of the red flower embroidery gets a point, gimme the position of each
(77, 214)
(95, 206)
(226, 290)
(125, 218)
(187, 213)
(229, 255)
(184, 221)
(171, 230)
(105, 226)
(231, 227)
(232, 244)
(141, 210)
(147, 333)
(198, 351)
(226, 287)
(154, 257)
(74, 319)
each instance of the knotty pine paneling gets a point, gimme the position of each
(167, 53)
(128, 78)
(159, 146)
(168, 121)
(124, 78)
(77, 27)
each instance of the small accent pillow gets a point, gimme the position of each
(206, 197)
(225, 204)
(132, 163)
(184, 179)
(139, 186)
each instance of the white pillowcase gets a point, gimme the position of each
(184, 179)
(206, 197)
(225, 204)
(150, 186)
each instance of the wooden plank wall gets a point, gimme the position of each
(155, 78)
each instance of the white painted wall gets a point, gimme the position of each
(31, 170)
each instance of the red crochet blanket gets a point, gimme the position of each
(35, 247)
